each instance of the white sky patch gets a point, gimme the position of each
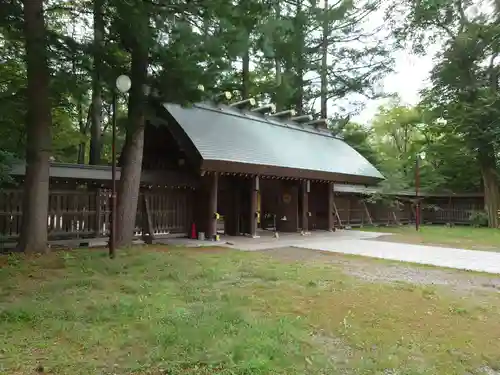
(411, 72)
(410, 76)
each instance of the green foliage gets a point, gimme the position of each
(359, 137)
(6, 161)
(189, 44)
(479, 219)
(465, 79)
(192, 43)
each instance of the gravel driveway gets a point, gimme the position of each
(388, 271)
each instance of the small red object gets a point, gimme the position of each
(193, 231)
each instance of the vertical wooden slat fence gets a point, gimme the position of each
(452, 210)
(82, 214)
(86, 213)
(445, 210)
(10, 214)
(170, 213)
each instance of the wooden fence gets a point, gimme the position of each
(451, 210)
(352, 210)
(83, 214)
(86, 213)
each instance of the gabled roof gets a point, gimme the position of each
(230, 140)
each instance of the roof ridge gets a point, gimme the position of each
(227, 110)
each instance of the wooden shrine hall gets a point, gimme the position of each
(253, 171)
(232, 170)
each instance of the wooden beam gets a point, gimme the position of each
(337, 213)
(331, 204)
(213, 180)
(305, 206)
(254, 190)
(98, 213)
(395, 217)
(367, 212)
(147, 222)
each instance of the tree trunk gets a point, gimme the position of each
(95, 129)
(300, 62)
(33, 236)
(491, 186)
(278, 95)
(83, 127)
(245, 74)
(324, 65)
(132, 153)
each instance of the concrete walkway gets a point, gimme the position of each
(481, 261)
(362, 243)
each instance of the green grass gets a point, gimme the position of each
(460, 237)
(227, 312)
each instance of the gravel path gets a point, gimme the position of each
(389, 271)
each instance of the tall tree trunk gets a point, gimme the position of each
(324, 65)
(491, 186)
(95, 129)
(84, 126)
(246, 84)
(245, 74)
(81, 126)
(300, 62)
(132, 153)
(278, 95)
(79, 105)
(33, 236)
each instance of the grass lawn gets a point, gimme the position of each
(227, 312)
(460, 237)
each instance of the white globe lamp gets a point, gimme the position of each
(123, 83)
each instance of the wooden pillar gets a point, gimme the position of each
(305, 205)
(98, 214)
(237, 207)
(331, 222)
(147, 221)
(212, 205)
(254, 189)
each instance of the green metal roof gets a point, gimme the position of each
(223, 133)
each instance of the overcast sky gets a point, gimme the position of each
(410, 76)
(411, 72)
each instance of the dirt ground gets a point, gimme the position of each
(376, 270)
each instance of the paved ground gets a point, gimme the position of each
(392, 272)
(364, 244)
(482, 261)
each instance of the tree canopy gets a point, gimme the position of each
(299, 54)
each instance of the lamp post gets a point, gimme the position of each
(420, 156)
(122, 85)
